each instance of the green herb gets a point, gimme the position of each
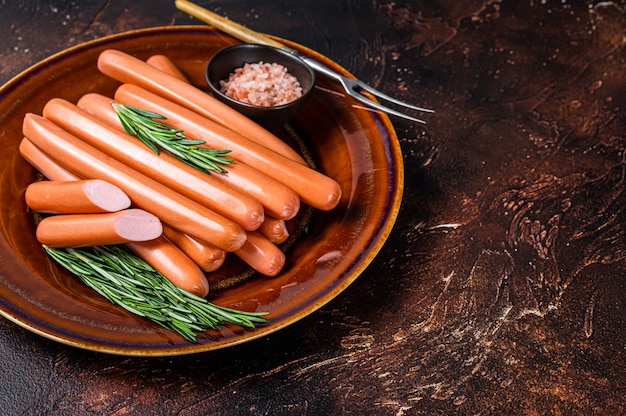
(128, 281)
(146, 125)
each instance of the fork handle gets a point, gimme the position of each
(246, 35)
(225, 25)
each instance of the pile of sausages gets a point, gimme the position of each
(197, 217)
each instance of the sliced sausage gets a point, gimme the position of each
(277, 199)
(172, 263)
(313, 187)
(88, 230)
(75, 197)
(208, 257)
(128, 69)
(180, 212)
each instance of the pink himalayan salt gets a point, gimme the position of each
(262, 84)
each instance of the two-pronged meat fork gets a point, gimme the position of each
(353, 87)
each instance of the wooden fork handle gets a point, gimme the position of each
(225, 25)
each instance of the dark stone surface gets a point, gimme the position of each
(502, 287)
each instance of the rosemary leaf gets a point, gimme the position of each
(148, 127)
(129, 282)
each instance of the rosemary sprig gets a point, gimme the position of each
(128, 281)
(149, 128)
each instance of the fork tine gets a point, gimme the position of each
(376, 106)
(354, 88)
(363, 86)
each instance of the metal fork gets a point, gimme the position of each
(353, 87)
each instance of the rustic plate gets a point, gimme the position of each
(355, 146)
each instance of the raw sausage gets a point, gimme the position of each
(87, 230)
(172, 263)
(40, 161)
(313, 187)
(99, 106)
(179, 212)
(194, 70)
(277, 199)
(163, 167)
(206, 256)
(126, 68)
(275, 230)
(261, 254)
(75, 197)
(166, 65)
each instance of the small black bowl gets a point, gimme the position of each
(226, 60)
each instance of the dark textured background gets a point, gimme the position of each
(501, 288)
